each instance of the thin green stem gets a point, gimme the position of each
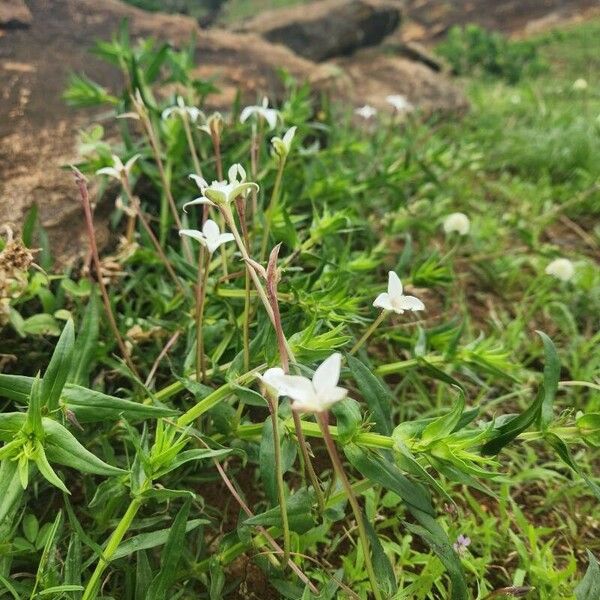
(163, 257)
(280, 482)
(191, 145)
(271, 209)
(93, 585)
(202, 282)
(341, 473)
(367, 334)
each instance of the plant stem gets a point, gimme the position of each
(163, 257)
(201, 284)
(308, 466)
(156, 151)
(271, 209)
(192, 146)
(367, 334)
(92, 587)
(273, 408)
(87, 209)
(338, 466)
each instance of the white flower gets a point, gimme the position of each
(210, 236)
(223, 192)
(118, 170)
(561, 268)
(183, 111)
(366, 112)
(457, 223)
(395, 299)
(580, 84)
(270, 115)
(274, 379)
(314, 396)
(281, 146)
(400, 103)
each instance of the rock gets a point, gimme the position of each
(38, 131)
(13, 14)
(373, 75)
(328, 28)
(431, 19)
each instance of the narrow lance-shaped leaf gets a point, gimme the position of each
(551, 378)
(85, 343)
(47, 471)
(34, 412)
(57, 372)
(376, 395)
(62, 447)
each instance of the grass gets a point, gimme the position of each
(190, 514)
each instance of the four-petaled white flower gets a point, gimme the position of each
(561, 268)
(118, 170)
(457, 223)
(580, 84)
(183, 111)
(270, 115)
(316, 395)
(366, 112)
(394, 299)
(282, 145)
(223, 192)
(210, 236)
(400, 103)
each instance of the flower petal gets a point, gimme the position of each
(200, 181)
(394, 285)
(298, 388)
(194, 234)
(383, 301)
(327, 375)
(201, 200)
(211, 230)
(409, 303)
(110, 171)
(247, 113)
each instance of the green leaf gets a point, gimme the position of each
(60, 589)
(348, 419)
(10, 489)
(144, 541)
(384, 572)
(588, 425)
(299, 511)
(268, 472)
(41, 324)
(589, 586)
(551, 378)
(89, 406)
(171, 555)
(249, 397)
(507, 432)
(47, 471)
(431, 531)
(34, 412)
(63, 448)
(31, 527)
(443, 426)
(563, 451)
(380, 470)
(86, 343)
(57, 372)
(375, 393)
(10, 423)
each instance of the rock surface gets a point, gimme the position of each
(374, 75)
(328, 28)
(431, 19)
(14, 13)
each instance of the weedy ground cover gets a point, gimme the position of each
(362, 362)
